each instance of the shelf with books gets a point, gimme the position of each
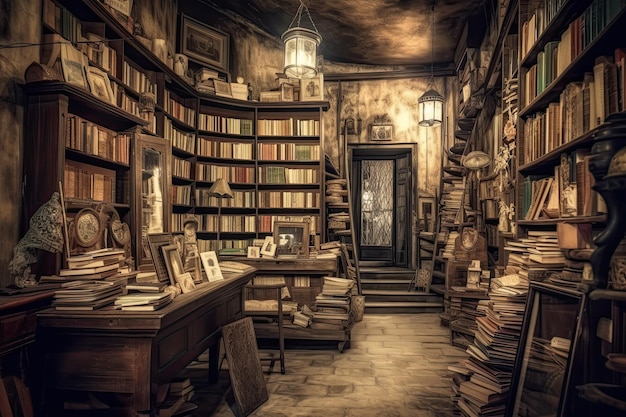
(568, 68)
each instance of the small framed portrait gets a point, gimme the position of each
(292, 239)
(73, 65)
(185, 282)
(156, 241)
(173, 262)
(100, 85)
(312, 89)
(254, 252)
(381, 132)
(286, 92)
(211, 266)
(204, 44)
(269, 247)
(222, 89)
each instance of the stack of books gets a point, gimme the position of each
(332, 305)
(141, 301)
(102, 264)
(86, 295)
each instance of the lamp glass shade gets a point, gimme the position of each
(476, 160)
(301, 52)
(220, 188)
(430, 108)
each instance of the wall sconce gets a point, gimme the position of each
(430, 104)
(301, 46)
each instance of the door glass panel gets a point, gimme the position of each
(152, 193)
(376, 202)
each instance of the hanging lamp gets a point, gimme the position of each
(301, 46)
(430, 104)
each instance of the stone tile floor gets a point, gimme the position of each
(396, 366)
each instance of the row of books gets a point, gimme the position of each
(211, 222)
(582, 105)
(288, 127)
(288, 152)
(225, 149)
(88, 137)
(240, 199)
(232, 174)
(178, 109)
(567, 193)
(284, 175)
(181, 167)
(288, 199)
(222, 124)
(180, 139)
(85, 181)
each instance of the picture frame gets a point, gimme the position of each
(426, 213)
(542, 369)
(222, 89)
(211, 266)
(254, 252)
(312, 89)
(381, 132)
(73, 64)
(270, 96)
(286, 92)
(155, 242)
(190, 253)
(292, 239)
(204, 44)
(269, 247)
(173, 262)
(239, 91)
(100, 85)
(185, 282)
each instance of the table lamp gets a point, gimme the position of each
(220, 189)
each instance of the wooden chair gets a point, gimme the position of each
(270, 315)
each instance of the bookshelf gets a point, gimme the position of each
(196, 138)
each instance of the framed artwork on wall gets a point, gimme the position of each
(204, 44)
(381, 132)
(312, 89)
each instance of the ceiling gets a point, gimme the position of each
(376, 32)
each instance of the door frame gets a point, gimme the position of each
(363, 149)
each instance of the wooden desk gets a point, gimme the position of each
(134, 352)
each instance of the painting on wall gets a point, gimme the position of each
(204, 44)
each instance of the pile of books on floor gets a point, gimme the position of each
(328, 250)
(86, 295)
(332, 305)
(178, 403)
(102, 264)
(143, 301)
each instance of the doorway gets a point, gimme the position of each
(381, 188)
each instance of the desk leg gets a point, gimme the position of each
(214, 363)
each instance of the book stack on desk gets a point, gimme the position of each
(140, 301)
(86, 295)
(102, 264)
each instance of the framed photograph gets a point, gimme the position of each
(312, 89)
(100, 85)
(204, 44)
(73, 64)
(239, 91)
(292, 238)
(381, 132)
(426, 213)
(173, 262)
(156, 241)
(222, 89)
(254, 252)
(211, 266)
(286, 92)
(185, 282)
(270, 96)
(269, 247)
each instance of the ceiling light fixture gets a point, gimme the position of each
(430, 104)
(301, 46)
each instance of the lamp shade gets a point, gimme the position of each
(430, 108)
(301, 46)
(220, 188)
(476, 160)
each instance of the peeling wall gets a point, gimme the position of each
(16, 26)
